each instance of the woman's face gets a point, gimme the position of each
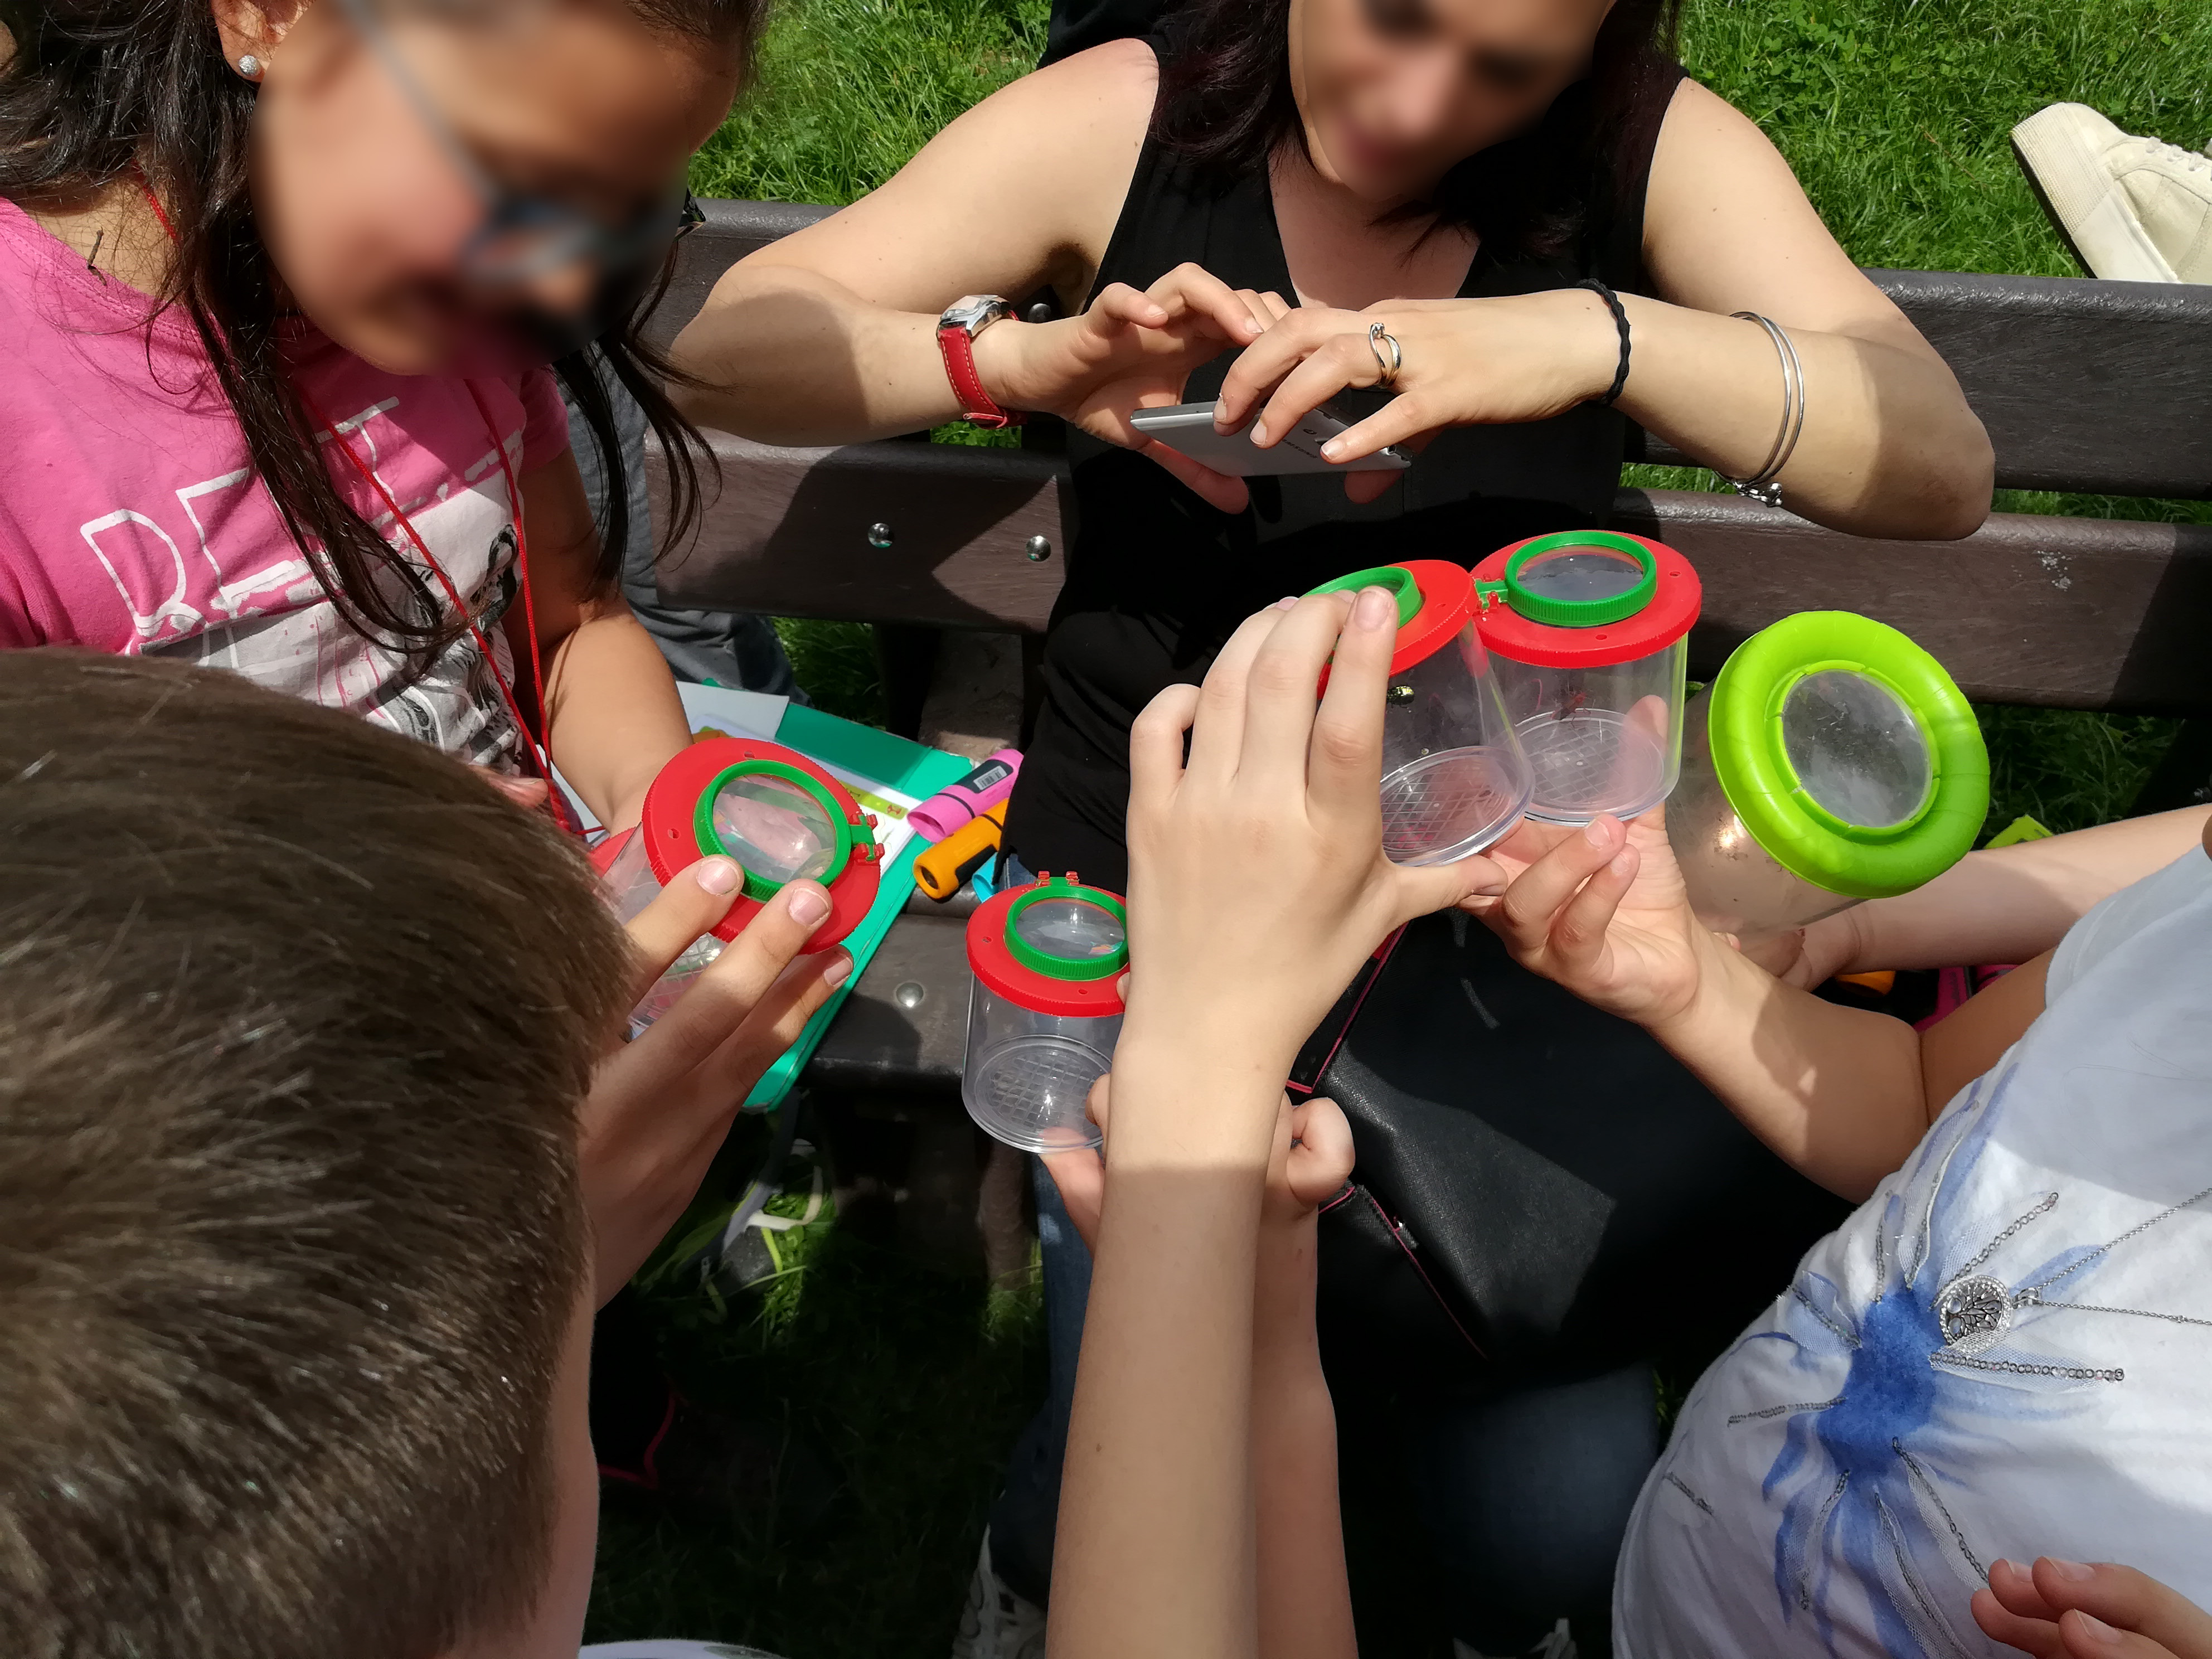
(365, 211)
(1395, 93)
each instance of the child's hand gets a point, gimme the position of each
(1310, 1163)
(1257, 881)
(660, 1106)
(1809, 957)
(2064, 1610)
(1602, 911)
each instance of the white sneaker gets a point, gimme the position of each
(2132, 210)
(997, 1624)
(1559, 1644)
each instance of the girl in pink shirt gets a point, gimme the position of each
(278, 288)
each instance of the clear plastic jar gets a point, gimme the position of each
(1045, 1010)
(1587, 631)
(1831, 761)
(777, 813)
(1454, 777)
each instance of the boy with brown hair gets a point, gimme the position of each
(303, 1027)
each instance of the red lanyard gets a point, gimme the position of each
(542, 761)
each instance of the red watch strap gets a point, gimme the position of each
(977, 406)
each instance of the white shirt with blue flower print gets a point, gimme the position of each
(2006, 1352)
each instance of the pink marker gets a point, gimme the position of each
(953, 805)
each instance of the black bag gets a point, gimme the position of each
(1542, 1189)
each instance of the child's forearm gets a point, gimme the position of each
(614, 719)
(2009, 903)
(1155, 1552)
(1835, 1092)
(1305, 1603)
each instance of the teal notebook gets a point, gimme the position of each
(902, 768)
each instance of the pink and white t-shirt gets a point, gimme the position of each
(130, 521)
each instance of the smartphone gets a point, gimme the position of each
(1187, 429)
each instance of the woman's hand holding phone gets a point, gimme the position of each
(1127, 351)
(1464, 362)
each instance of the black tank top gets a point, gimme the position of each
(1156, 580)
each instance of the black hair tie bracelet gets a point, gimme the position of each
(1619, 321)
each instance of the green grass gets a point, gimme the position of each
(849, 89)
(911, 1381)
(837, 664)
(1895, 113)
(908, 1381)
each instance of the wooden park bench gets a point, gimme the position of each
(2098, 387)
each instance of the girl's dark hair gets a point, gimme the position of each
(97, 88)
(1225, 104)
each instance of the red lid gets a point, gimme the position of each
(1447, 601)
(604, 855)
(1447, 596)
(672, 818)
(1673, 610)
(996, 966)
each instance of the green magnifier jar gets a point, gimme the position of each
(1589, 632)
(1044, 1011)
(1454, 777)
(1831, 761)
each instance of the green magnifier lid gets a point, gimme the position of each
(1395, 577)
(1581, 579)
(1064, 930)
(776, 821)
(1849, 753)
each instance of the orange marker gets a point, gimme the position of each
(1882, 982)
(940, 872)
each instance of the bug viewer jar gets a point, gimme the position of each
(1044, 1011)
(1832, 760)
(1589, 632)
(774, 812)
(1453, 779)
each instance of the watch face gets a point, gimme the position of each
(971, 311)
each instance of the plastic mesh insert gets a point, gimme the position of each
(1448, 805)
(1035, 1088)
(1593, 762)
(777, 830)
(1856, 749)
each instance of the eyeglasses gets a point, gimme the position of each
(524, 237)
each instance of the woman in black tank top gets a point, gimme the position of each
(1157, 579)
(1180, 193)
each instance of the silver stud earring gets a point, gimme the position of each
(250, 67)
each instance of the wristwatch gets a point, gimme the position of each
(957, 329)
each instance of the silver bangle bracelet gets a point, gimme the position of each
(1760, 486)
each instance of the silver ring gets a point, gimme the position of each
(1386, 374)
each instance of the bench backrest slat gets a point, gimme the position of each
(2069, 613)
(2084, 613)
